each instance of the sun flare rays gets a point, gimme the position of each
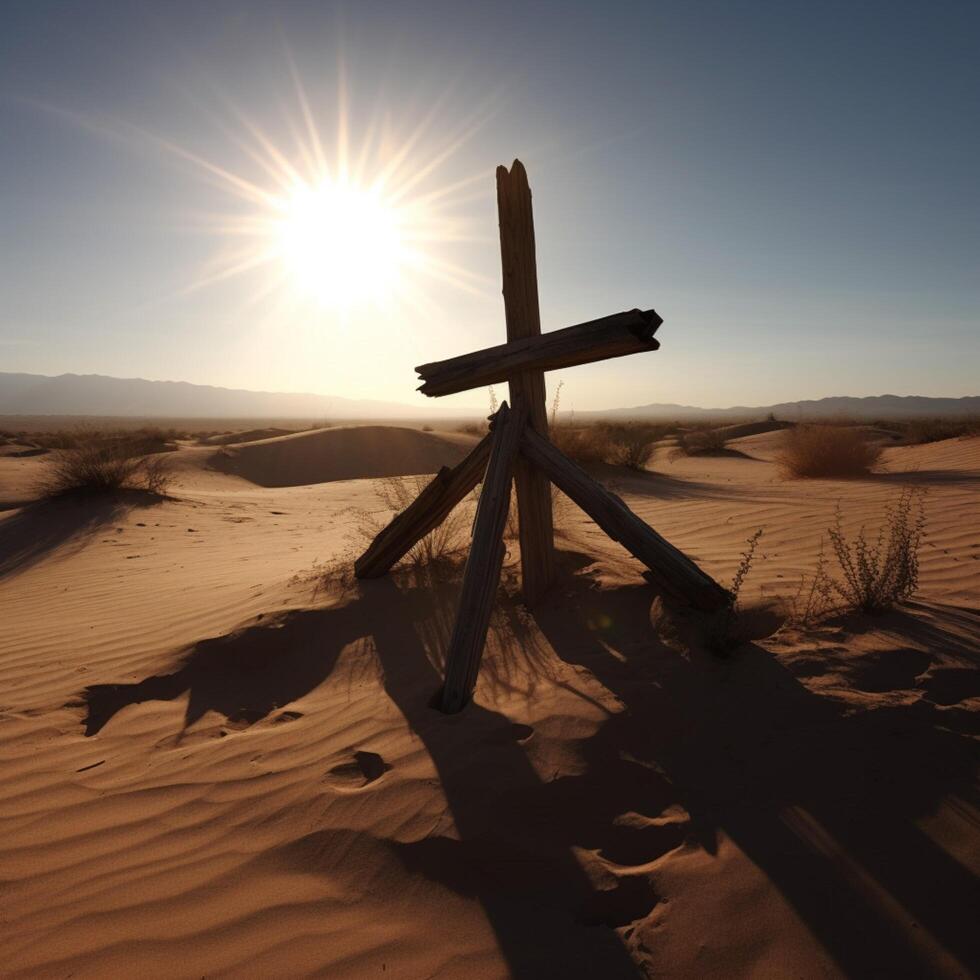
(343, 218)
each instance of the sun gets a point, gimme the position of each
(343, 244)
(337, 219)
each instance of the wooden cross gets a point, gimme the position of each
(517, 447)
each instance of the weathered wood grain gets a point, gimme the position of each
(520, 290)
(630, 332)
(669, 567)
(429, 509)
(482, 574)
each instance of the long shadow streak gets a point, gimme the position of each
(548, 919)
(745, 743)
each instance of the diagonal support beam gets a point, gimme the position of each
(482, 575)
(429, 509)
(669, 567)
(596, 340)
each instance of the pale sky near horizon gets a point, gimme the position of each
(793, 186)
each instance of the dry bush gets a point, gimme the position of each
(585, 445)
(427, 428)
(629, 444)
(875, 576)
(878, 575)
(827, 451)
(144, 440)
(472, 428)
(632, 444)
(701, 442)
(97, 463)
(920, 431)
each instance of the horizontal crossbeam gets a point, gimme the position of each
(597, 340)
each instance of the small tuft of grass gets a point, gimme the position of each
(827, 451)
(443, 545)
(816, 596)
(724, 628)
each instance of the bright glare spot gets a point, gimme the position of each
(342, 243)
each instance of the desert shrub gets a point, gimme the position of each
(427, 428)
(97, 464)
(585, 445)
(701, 442)
(144, 440)
(632, 445)
(874, 576)
(878, 575)
(472, 428)
(61, 439)
(827, 451)
(920, 431)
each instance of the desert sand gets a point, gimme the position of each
(215, 763)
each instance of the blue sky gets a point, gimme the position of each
(793, 186)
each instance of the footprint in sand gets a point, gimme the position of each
(366, 768)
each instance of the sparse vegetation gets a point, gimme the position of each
(724, 633)
(632, 445)
(879, 575)
(701, 442)
(875, 576)
(816, 595)
(99, 463)
(920, 431)
(827, 451)
(629, 444)
(442, 545)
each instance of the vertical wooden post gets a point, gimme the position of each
(520, 288)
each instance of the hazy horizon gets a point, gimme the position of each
(792, 188)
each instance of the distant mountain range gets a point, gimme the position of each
(99, 395)
(840, 406)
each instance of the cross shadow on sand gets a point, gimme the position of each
(38, 529)
(822, 801)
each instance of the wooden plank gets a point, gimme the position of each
(483, 564)
(429, 509)
(520, 290)
(617, 335)
(669, 567)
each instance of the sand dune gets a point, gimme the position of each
(347, 453)
(212, 767)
